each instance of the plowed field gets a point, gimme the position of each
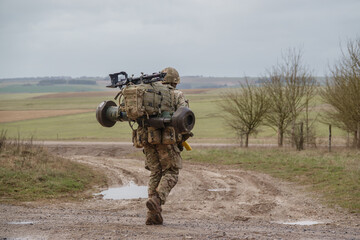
(12, 116)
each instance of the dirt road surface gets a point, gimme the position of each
(209, 202)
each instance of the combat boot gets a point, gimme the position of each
(153, 218)
(154, 204)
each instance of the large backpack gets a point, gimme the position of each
(147, 99)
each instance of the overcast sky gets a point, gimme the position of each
(197, 37)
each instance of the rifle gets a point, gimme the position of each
(144, 78)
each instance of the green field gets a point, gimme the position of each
(209, 126)
(84, 126)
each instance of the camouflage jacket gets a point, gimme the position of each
(180, 100)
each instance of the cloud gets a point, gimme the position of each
(219, 38)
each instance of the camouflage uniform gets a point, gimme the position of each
(164, 161)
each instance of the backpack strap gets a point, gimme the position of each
(117, 95)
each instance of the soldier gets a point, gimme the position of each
(164, 124)
(163, 161)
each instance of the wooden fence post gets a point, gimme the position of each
(329, 137)
(358, 135)
(301, 136)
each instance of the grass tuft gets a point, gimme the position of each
(29, 172)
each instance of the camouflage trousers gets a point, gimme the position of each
(164, 162)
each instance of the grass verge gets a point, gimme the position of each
(29, 172)
(336, 175)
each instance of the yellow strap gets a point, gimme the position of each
(186, 146)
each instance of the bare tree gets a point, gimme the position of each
(342, 91)
(289, 86)
(244, 109)
(310, 133)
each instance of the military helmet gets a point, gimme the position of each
(172, 76)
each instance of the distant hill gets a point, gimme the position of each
(49, 84)
(191, 82)
(84, 84)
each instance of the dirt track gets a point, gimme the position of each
(245, 205)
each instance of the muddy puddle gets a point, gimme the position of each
(302, 223)
(218, 190)
(130, 191)
(21, 223)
